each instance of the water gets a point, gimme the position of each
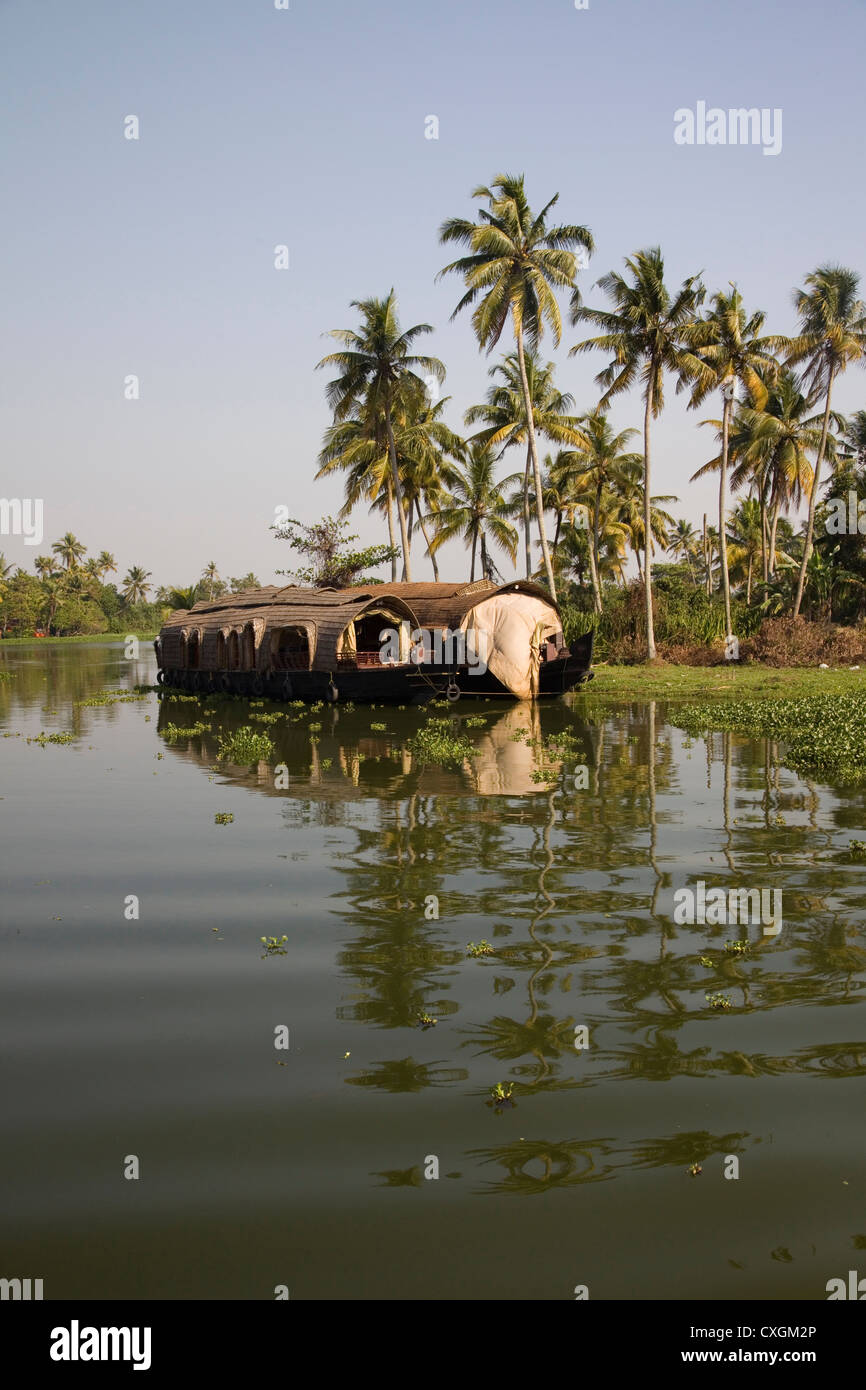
(153, 1038)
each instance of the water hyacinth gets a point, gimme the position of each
(245, 746)
(436, 742)
(822, 733)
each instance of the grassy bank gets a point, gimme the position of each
(719, 683)
(102, 637)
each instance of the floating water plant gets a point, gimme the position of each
(475, 721)
(500, 1094)
(245, 746)
(857, 849)
(736, 948)
(482, 949)
(718, 1001)
(695, 1170)
(223, 818)
(266, 718)
(547, 775)
(379, 728)
(274, 945)
(174, 731)
(44, 738)
(436, 742)
(823, 733)
(425, 1021)
(112, 697)
(710, 964)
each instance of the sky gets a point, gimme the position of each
(305, 127)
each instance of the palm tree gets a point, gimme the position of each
(633, 511)
(183, 598)
(575, 550)
(832, 336)
(422, 441)
(358, 445)
(853, 440)
(135, 586)
(769, 451)
(746, 536)
(69, 549)
(426, 449)
(210, 578)
(504, 417)
(602, 460)
(372, 365)
(683, 541)
(106, 563)
(44, 566)
(477, 509)
(645, 333)
(516, 261)
(244, 582)
(5, 569)
(729, 350)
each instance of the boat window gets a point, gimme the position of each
(193, 650)
(368, 641)
(248, 648)
(291, 649)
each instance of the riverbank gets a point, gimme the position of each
(67, 641)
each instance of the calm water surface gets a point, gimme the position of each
(306, 1167)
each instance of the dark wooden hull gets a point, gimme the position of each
(367, 685)
(398, 685)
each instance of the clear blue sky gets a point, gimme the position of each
(306, 127)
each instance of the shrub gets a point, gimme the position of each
(798, 642)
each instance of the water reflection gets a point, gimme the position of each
(381, 871)
(574, 889)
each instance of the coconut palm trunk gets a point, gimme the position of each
(533, 450)
(596, 586)
(527, 517)
(431, 553)
(392, 540)
(593, 574)
(647, 520)
(398, 496)
(723, 493)
(813, 498)
(771, 559)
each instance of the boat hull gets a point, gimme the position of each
(376, 684)
(370, 685)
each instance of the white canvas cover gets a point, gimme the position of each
(511, 628)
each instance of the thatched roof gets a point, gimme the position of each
(446, 604)
(323, 613)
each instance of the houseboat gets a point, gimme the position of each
(388, 643)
